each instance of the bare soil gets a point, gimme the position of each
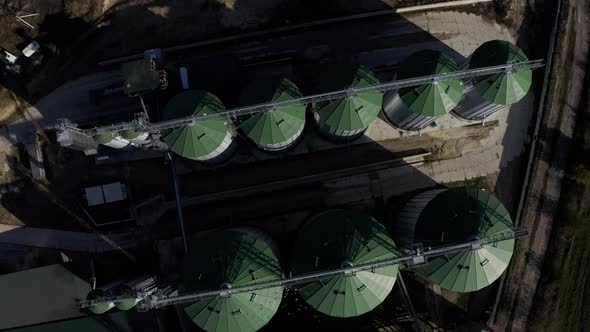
(561, 302)
(545, 193)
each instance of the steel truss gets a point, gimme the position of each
(411, 258)
(141, 123)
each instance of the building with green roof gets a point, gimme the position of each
(97, 294)
(488, 94)
(113, 140)
(125, 291)
(451, 216)
(348, 117)
(412, 108)
(337, 239)
(276, 129)
(226, 259)
(207, 140)
(135, 136)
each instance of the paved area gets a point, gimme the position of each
(505, 143)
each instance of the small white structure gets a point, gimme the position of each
(135, 137)
(31, 49)
(106, 193)
(113, 140)
(11, 58)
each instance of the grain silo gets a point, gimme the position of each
(451, 216)
(208, 140)
(488, 94)
(337, 239)
(413, 108)
(113, 140)
(278, 128)
(226, 259)
(125, 291)
(136, 137)
(348, 117)
(97, 294)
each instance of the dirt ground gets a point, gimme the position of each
(519, 310)
(7, 108)
(562, 298)
(445, 144)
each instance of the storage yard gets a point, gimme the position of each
(283, 180)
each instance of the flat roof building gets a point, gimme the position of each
(140, 76)
(40, 295)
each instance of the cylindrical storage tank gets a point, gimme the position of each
(451, 216)
(337, 239)
(97, 294)
(112, 140)
(226, 259)
(347, 118)
(489, 93)
(136, 137)
(276, 129)
(208, 140)
(125, 291)
(413, 108)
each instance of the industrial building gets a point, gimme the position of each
(271, 112)
(209, 140)
(220, 262)
(337, 239)
(223, 260)
(125, 291)
(136, 137)
(346, 118)
(40, 295)
(448, 216)
(226, 259)
(487, 94)
(113, 140)
(97, 294)
(141, 76)
(75, 140)
(278, 128)
(413, 108)
(115, 321)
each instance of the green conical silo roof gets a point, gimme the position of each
(435, 98)
(278, 125)
(103, 138)
(459, 215)
(226, 259)
(202, 137)
(336, 239)
(502, 88)
(353, 112)
(126, 291)
(131, 134)
(97, 294)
